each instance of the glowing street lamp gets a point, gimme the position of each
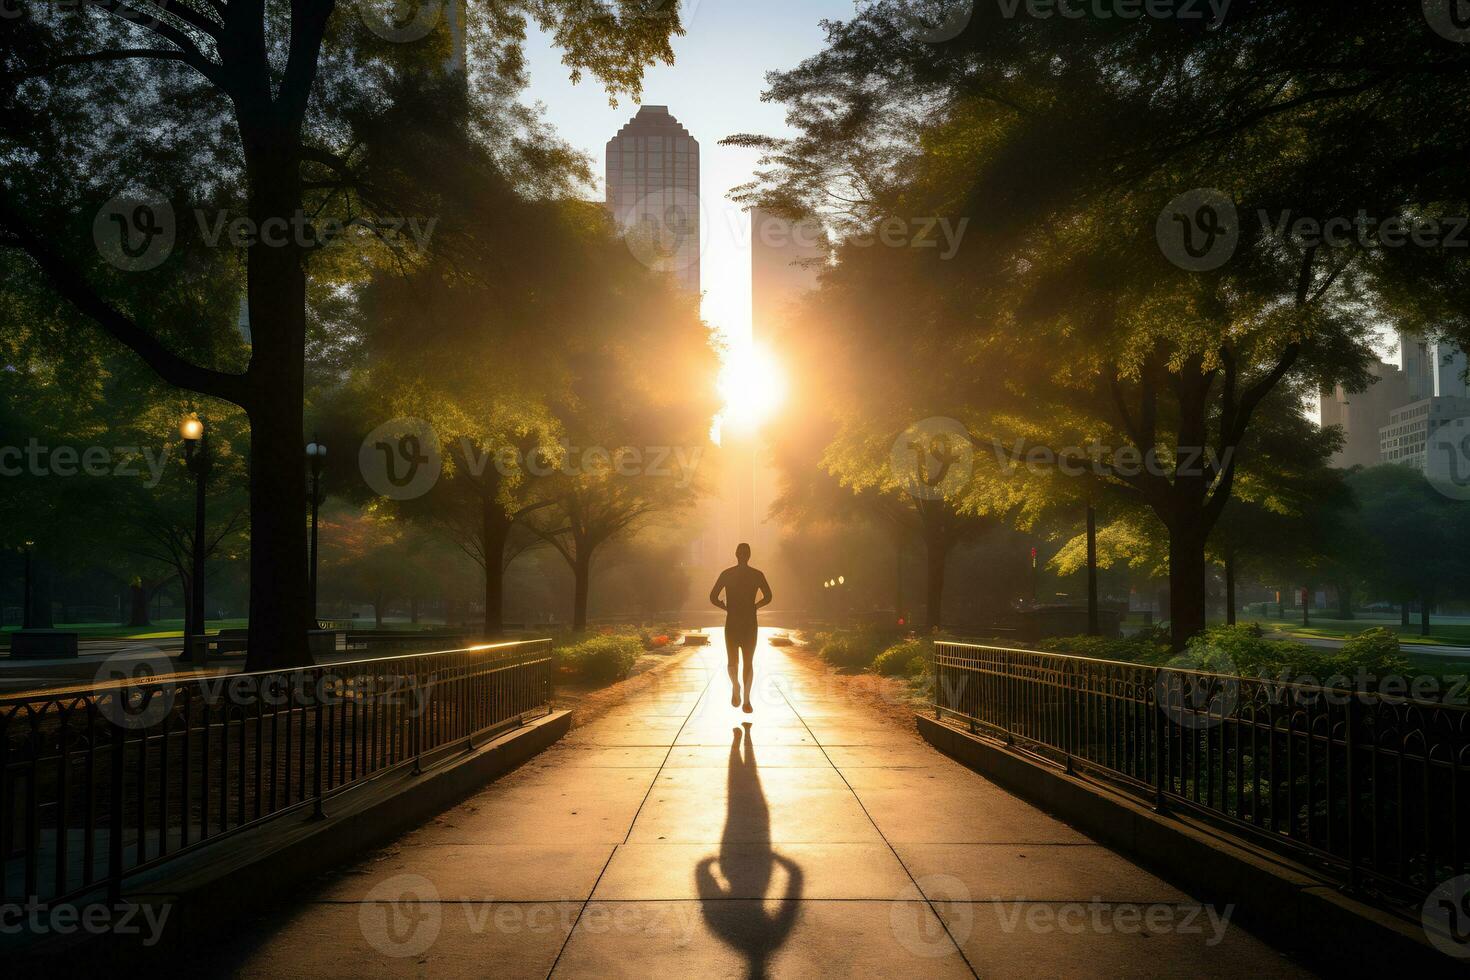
(196, 459)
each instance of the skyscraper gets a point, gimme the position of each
(653, 192)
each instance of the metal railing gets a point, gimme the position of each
(1372, 789)
(98, 784)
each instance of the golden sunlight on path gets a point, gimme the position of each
(669, 838)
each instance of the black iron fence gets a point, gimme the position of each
(101, 783)
(1370, 788)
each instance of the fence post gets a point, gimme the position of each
(1069, 722)
(1351, 738)
(316, 778)
(1005, 695)
(934, 676)
(1161, 737)
(416, 720)
(115, 815)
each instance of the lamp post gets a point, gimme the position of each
(196, 458)
(27, 600)
(316, 455)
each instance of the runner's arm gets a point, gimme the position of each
(765, 590)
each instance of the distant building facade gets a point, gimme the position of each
(652, 173)
(1432, 368)
(1405, 438)
(1363, 414)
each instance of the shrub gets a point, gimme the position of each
(1143, 648)
(1376, 650)
(601, 659)
(906, 659)
(851, 648)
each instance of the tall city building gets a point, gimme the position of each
(1410, 429)
(1361, 414)
(1433, 368)
(653, 192)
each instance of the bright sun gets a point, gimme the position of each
(752, 388)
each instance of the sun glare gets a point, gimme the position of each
(752, 388)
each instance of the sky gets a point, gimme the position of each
(713, 89)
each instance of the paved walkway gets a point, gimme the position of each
(669, 838)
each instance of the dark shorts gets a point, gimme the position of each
(740, 635)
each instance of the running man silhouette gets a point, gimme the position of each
(740, 583)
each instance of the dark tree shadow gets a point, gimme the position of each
(748, 864)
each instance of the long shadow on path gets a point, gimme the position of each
(748, 864)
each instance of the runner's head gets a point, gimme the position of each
(742, 552)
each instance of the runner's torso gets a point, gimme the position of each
(742, 584)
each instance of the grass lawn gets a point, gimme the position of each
(1449, 634)
(163, 629)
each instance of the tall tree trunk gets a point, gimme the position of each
(936, 555)
(137, 605)
(1186, 579)
(280, 602)
(1404, 614)
(581, 574)
(1344, 601)
(1424, 603)
(378, 602)
(495, 532)
(1306, 605)
(1230, 586)
(413, 610)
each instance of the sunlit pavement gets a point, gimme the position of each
(668, 839)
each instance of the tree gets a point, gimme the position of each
(1414, 534)
(274, 114)
(1065, 142)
